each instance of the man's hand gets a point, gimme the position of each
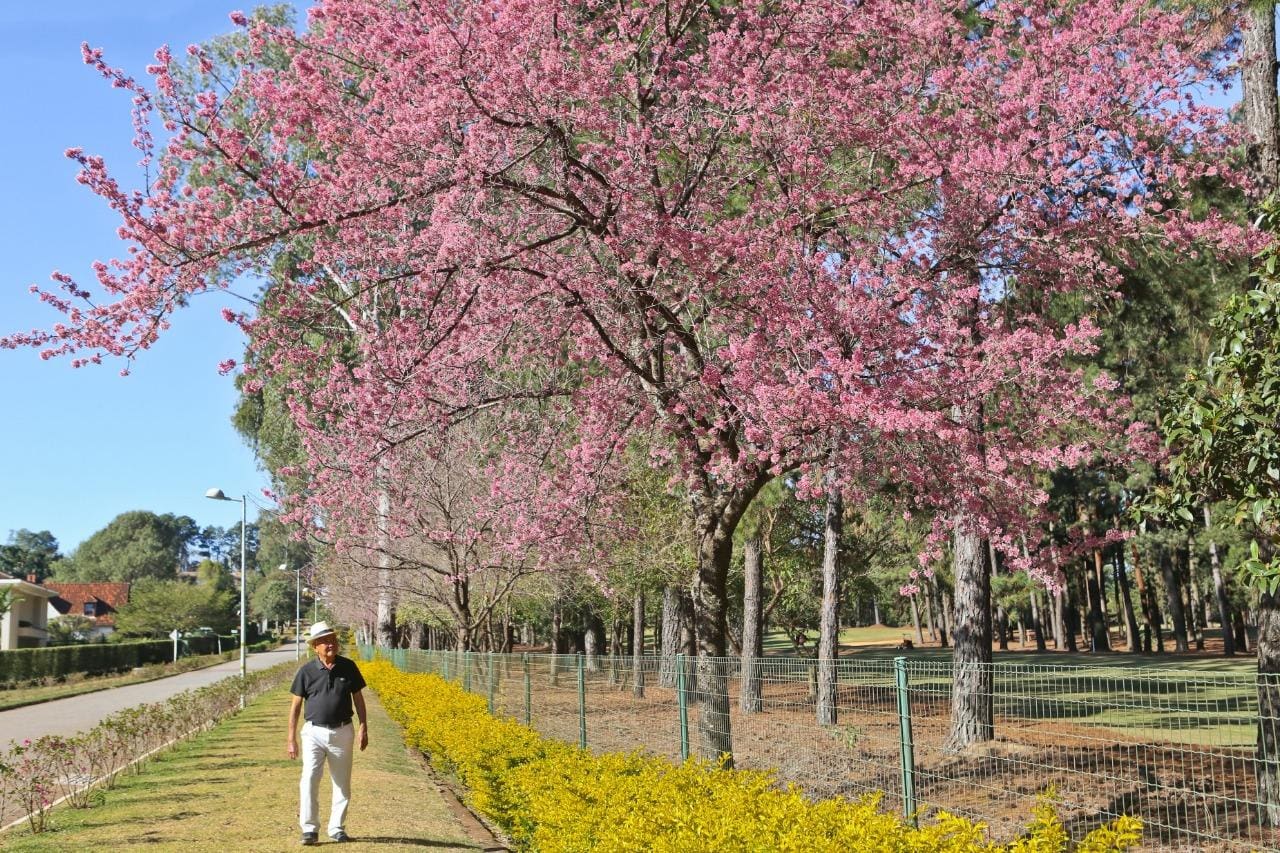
(364, 737)
(291, 749)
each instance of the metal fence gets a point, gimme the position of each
(1176, 748)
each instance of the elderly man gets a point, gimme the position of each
(328, 686)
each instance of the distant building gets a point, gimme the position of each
(96, 601)
(25, 624)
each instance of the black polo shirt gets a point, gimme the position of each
(327, 692)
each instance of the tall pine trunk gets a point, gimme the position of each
(637, 646)
(1196, 609)
(1099, 634)
(1152, 621)
(829, 626)
(1173, 600)
(1220, 591)
(1126, 601)
(1268, 754)
(750, 699)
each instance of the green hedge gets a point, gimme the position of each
(18, 666)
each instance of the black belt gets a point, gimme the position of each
(332, 728)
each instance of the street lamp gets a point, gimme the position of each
(297, 611)
(217, 495)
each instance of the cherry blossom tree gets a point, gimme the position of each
(779, 234)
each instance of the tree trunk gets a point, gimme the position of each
(928, 610)
(1071, 619)
(1099, 634)
(1268, 752)
(1220, 591)
(829, 628)
(915, 620)
(1060, 620)
(1195, 604)
(750, 697)
(714, 521)
(557, 620)
(1262, 121)
(1002, 617)
(711, 676)
(1037, 623)
(1261, 110)
(1241, 632)
(1126, 601)
(972, 712)
(637, 646)
(1150, 610)
(1260, 105)
(385, 628)
(1173, 600)
(592, 642)
(671, 624)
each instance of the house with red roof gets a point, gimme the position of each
(96, 601)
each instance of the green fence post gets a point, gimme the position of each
(493, 679)
(444, 664)
(582, 704)
(528, 692)
(466, 671)
(683, 702)
(906, 747)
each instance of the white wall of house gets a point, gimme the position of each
(27, 621)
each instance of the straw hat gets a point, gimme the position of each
(318, 631)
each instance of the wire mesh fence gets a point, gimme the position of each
(1179, 749)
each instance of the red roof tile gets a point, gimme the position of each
(73, 596)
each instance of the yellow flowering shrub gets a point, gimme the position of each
(550, 796)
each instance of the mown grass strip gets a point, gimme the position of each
(232, 788)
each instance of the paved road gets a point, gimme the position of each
(79, 713)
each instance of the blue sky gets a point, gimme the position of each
(77, 447)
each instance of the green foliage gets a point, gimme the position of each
(213, 574)
(21, 666)
(157, 607)
(1221, 424)
(275, 597)
(29, 553)
(135, 545)
(71, 628)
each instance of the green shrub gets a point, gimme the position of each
(23, 666)
(549, 796)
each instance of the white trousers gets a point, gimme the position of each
(319, 744)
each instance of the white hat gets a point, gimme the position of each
(318, 630)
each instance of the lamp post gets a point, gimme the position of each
(297, 611)
(217, 495)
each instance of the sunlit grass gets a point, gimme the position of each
(233, 788)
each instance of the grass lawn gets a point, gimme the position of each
(76, 685)
(1193, 699)
(233, 788)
